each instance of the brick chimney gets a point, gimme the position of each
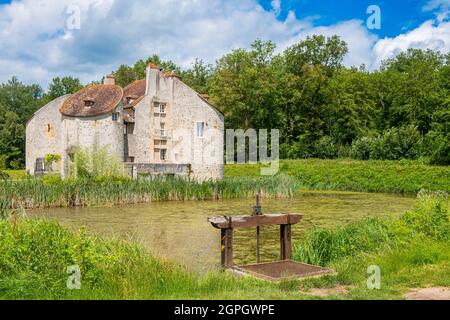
(109, 79)
(153, 74)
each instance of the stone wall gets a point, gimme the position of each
(156, 169)
(100, 131)
(44, 134)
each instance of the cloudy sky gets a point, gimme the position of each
(42, 39)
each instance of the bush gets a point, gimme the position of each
(393, 144)
(92, 163)
(429, 219)
(326, 149)
(437, 147)
(361, 148)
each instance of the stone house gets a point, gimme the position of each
(157, 125)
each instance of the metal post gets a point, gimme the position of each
(257, 212)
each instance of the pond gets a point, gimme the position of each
(179, 230)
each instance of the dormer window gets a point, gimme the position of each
(89, 103)
(130, 100)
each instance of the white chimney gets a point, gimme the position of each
(109, 79)
(153, 74)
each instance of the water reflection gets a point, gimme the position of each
(179, 230)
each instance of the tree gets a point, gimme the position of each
(243, 87)
(21, 99)
(62, 86)
(125, 75)
(418, 88)
(12, 139)
(316, 50)
(198, 76)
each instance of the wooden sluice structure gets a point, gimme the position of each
(274, 271)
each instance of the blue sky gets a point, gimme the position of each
(38, 40)
(398, 16)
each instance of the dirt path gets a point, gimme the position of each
(436, 293)
(325, 292)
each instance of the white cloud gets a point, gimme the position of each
(437, 4)
(36, 46)
(430, 35)
(440, 7)
(276, 7)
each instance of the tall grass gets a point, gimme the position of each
(54, 192)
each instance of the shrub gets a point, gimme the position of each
(437, 147)
(95, 162)
(51, 159)
(361, 148)
(393, 144)
(326, 148)
(429, 219)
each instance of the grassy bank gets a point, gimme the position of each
(411, 251)
(54, 192)
(352, 175)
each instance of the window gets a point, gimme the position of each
(162, 154)
(162, 130)
(115, 116)
(160, 107)
(160, 142)
(200, 129)
(49, 128)
(39, 165)
(89, 103)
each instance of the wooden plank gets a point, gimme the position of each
(235, 222)
(226, 243)
(285, 242)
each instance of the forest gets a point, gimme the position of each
(322, 108)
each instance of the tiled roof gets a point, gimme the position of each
(105, 98)
(170, 74)
(136, 91)
(153, 66)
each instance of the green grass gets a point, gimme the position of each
(412, 251)
(16, 174)
(403, 176)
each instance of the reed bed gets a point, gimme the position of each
(44, 193)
